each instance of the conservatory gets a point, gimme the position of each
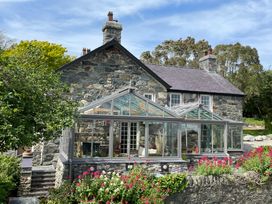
(126, 126)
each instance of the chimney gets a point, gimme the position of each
(112, 29)
(85, 51)
(208, 62)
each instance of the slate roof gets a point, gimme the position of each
(194, 80)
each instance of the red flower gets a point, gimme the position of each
(85, 173)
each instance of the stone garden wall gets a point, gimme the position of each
(244, 188)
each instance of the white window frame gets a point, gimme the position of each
(171, 95)
(150, 94)
(210, 101)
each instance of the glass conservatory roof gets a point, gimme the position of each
(126, 103)
(195, 111)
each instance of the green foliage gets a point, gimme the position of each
(9, 175)
(137, 186)
(37, 54)
(214, 167)
(258, 160)
(257, 132)
(173, 183)
(254, 121)
(32, 105)
(63, 194)
(181, 52)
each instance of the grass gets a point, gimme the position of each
(256, 132)
(254, 121)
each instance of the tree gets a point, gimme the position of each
(33, 102)
(35, 53)
(265, 98)
(179, 53)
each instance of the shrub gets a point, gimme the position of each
(9, 175)
(109, 187)
(214, 166)
(63, 194)
(135, 186)
(173, 183)
(258, 160)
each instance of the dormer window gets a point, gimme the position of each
(150, 96)
(175, 99)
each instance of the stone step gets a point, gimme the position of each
(39, 194)
(43, 179)
(43, 175)
(42, 184)
(41, 188)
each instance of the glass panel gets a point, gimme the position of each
(192, 138)
(205, 115)
(101, 136)
(140, 147)
(84, 139)
(234, 137)
(121, 133)
(103, 109)
(171, 139)
(192, 114)
(218, 138)
(206, 138)
(190, 98)
(155, 147)
(121, 105)
(154, 111)
(137, 106)
(183, 139)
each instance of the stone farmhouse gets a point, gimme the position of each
(153, 115)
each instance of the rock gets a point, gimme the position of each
(249, 138)
(259, 138)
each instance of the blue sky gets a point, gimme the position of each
(146, 23)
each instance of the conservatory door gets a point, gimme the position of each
(128, 137)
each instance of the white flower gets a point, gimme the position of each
(103, 172)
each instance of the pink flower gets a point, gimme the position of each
(85, 173)
(79, 177)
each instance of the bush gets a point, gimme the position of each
(136, 186)
(9, 175)
(173, 183)
(63, 194)
(258, 160)
(214, 167)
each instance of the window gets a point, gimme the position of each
(205, 100)
(175, 99)
(150, 96)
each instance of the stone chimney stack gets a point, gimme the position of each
(112, 29)
(208, 62)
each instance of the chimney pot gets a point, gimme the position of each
(110, 16)
(210, 51)
(84, 51)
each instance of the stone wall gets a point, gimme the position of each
(62, 170)
(106, 72)
(46, 153)
(229, 107)
(245, 188)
